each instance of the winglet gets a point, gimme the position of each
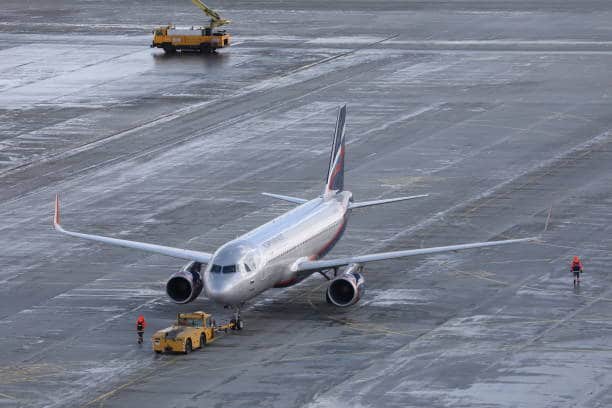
(56, 216)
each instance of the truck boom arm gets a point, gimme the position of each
(215, 18)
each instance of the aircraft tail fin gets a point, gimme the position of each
(335, 172)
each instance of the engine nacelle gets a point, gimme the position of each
(185, 285)
(347, 289)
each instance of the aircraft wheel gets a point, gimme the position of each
(239, 324)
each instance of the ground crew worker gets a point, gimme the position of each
(140, 328)
(576, 269)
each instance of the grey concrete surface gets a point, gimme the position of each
(499, 109)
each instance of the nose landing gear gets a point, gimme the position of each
(237, 322)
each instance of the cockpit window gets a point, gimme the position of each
(229, 269)
(215, 269)
(246, 267)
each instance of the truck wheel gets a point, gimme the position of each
(202, 340)
(188, 346)
(158, 352)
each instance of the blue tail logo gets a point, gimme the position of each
(335, 172)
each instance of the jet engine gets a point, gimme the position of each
(185, 285)
(347, 289)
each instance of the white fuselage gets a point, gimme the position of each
(263, 258)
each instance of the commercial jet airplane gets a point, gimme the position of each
(283, 251)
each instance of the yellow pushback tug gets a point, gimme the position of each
(203, 39)
(189, 332)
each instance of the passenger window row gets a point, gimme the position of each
(334, 225)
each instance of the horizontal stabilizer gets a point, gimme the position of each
(385, 201)
(294, 200)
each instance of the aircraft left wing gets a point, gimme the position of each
(306, 265)
(188, 254)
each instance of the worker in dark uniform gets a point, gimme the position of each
(576, 269)
(140, 328)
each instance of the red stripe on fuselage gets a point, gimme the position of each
(336, 169)
(329, 244)
(327, 247)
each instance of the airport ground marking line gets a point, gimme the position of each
(581, 150)
(529, 287)
(114, 391)
(7, 396)
(334, 57)
(368, 327)
(177, 114)
(363, 327)
(100, 399)
(160, 146)
(513, 349)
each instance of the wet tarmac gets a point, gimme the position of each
(500, 110)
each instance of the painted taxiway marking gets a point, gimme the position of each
(7, 396)
(115, 390)
(344, 54)
(365, 327)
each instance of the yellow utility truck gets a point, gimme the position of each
(189, 332)
(204, 39)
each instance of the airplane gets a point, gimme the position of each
(284, 251)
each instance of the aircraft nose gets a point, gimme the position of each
(220, 288)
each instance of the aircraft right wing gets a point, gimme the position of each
(306, 265)
(188, 254)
